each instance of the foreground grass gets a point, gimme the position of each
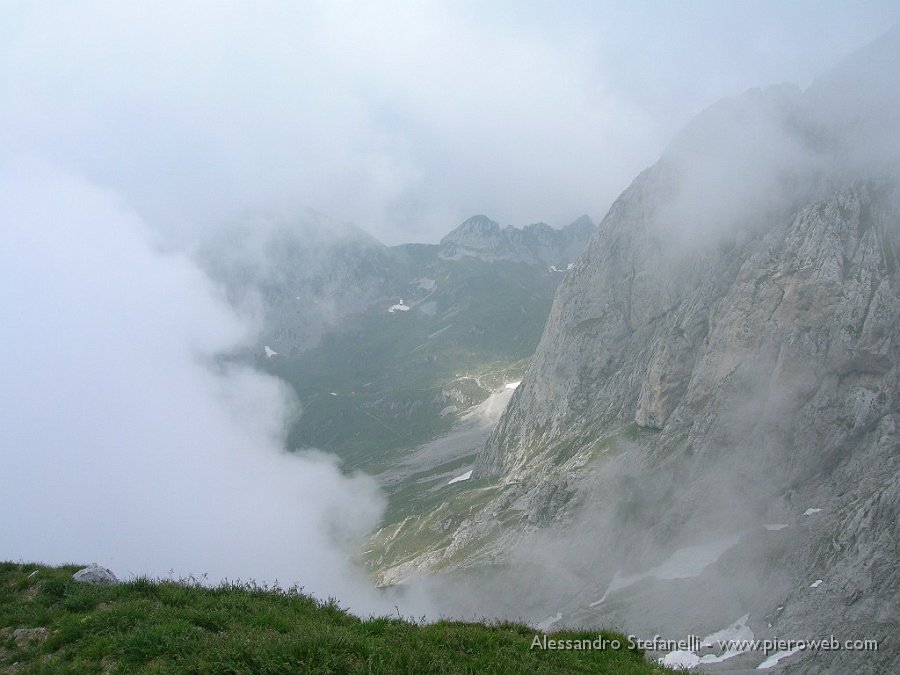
(147, 627)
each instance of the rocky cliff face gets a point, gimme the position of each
(711, 424)
(642, 332)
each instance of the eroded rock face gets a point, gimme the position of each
(757, 410)
(722, 368)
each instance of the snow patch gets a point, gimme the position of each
(270, 352)
(692, 560)
(774, 527)
(737, 631)
(464, 476)
(616, 584)
(684, 563)
(399, 307)
(437, 332)
(549, 621)
(512, 385)
(816, 583)
(680, 659)
(809, 512)
(425, 284)
(490, 409)
(776, 657)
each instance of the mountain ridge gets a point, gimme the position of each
(538, 243)
(718, 377)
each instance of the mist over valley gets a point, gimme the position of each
(279, 305)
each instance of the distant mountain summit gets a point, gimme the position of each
(475, 228)
(536, 244)
(311, 272)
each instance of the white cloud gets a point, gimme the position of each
(122, 439)
(404, 118)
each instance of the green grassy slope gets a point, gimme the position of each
(382, 383)
(146, 627)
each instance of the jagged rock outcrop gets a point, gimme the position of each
(482, 238)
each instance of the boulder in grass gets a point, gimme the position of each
(94, 574)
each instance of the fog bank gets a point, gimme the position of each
(124, 439)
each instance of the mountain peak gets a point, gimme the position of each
(477, 226)
(538, 243)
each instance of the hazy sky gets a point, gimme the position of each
(404, 118)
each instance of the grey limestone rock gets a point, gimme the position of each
(95, 574)
(481, 237)
(721, 372)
